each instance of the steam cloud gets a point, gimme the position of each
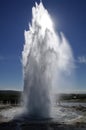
(45, 55)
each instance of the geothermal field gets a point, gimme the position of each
(47, 58)
(70, 113)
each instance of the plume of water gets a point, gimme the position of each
(45, 55)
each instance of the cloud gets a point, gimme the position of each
(1, 58)
(82, 59)
(9, 58)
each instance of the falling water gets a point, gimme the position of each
(45, 54)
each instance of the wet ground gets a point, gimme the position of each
(68, 116)
(48, 125)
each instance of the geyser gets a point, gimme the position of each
(45, 54)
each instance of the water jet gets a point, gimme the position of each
(44, 57)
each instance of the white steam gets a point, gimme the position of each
(45, 55)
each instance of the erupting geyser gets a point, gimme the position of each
(45, 55)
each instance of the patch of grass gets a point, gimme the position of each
(10, 97)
